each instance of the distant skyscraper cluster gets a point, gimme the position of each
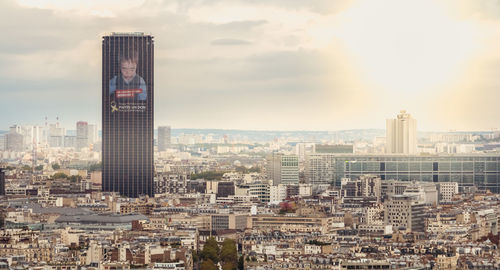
(23, 138)
(401, 134)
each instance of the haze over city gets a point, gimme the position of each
(250, 134)
(267, 65)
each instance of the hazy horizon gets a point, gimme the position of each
(272, 65)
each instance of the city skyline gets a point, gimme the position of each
(302, 66)
(250, 135)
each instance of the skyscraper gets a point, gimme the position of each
(92, 134)
(14, 141)
(163, 138)
(2, 182)
(82, 134)
(127, 113)
(401, 134)
(283, 169)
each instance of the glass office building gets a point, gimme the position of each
(483, 170)
(127, 113)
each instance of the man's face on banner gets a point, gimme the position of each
(128, 69)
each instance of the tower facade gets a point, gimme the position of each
(82, 133)
(283, 169)
(401, 134)
(2, 182)
(127, 113)
(163, 138)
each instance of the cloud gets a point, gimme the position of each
(277, 64)
(230, 42)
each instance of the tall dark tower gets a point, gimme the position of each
(2, 182)
(127, 113)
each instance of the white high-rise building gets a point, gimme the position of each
(283, 169)
(447, 190)
(403, 211)
(401, 134)
(164, 134)
(277, 193)
(82, 135)
(93, 136)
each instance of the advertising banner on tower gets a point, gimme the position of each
(128, 77)
(127, 113)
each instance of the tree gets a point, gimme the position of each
(210, 175)
(2, 219)
(195, 256)
(287, 207)
(228, 266)
(254, 169)
(208, 265)
(229, 254)
(241, 262)
(210, 250)
(59, 175)
(26, 168)
(56, 166)
(96, 167)
(39, 168)
(75, 178)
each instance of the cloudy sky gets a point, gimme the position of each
(270, 64)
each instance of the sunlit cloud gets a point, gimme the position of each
(316, 64)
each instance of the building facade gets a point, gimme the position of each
(82, 135)
(2, 182)
(482, 170)
(283, 169)
(164, 138)
(447, 190)
(127, 113)
(404, 212)
(14, 141)
(401, 134)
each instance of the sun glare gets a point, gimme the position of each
(406, 46)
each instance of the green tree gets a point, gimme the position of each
(210, 250)
(210, 175)
(2, 219)
(39, 168)
(56, 166)
(208, 265)
(75, 178)
(228, 266)
(254, 169)
(229, 254)
(196, 257)
(95, 167)
(59, 175)
(241, 262)
(26, 168)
